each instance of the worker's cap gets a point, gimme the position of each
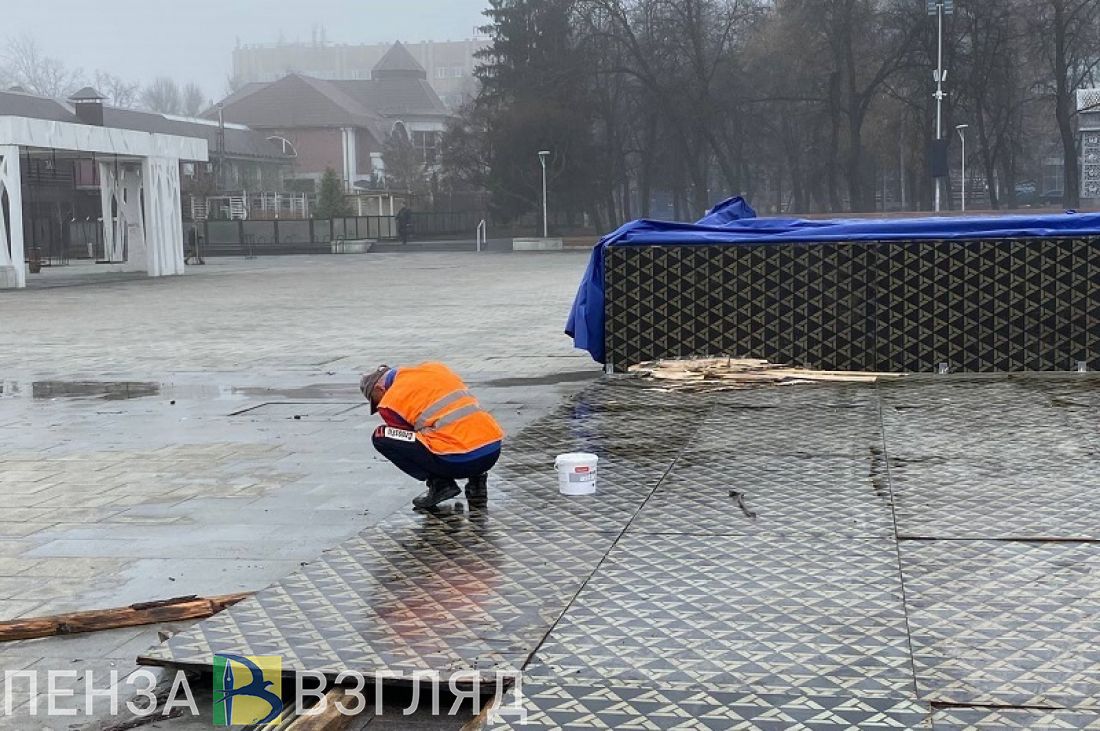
(368, 382)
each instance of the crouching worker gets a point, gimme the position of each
(435, 430)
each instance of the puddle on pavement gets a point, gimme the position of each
(551, 380)
(107, 390)
(313, 392)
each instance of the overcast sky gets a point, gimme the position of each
(192, 40)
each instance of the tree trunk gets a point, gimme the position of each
(1008, 177)
(833, 152)
(1071, 196)
(857, 194)
(989, 161)
(645, 176)
(626, 207)
(1071, 190)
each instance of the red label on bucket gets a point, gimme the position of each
(582, 470)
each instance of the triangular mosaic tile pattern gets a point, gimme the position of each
(993, 305)
(572, 707)
(1005, 623)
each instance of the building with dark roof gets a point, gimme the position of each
(450, 65)
(343, 124)
(241, 158)
(62, 187)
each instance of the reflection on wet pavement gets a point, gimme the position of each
(897, 555)
(108, 390)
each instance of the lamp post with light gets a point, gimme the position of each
(939, 8)
(543, 155)
(961, 128)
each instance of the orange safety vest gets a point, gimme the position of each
(444, 414)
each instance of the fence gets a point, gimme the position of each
(315, 236)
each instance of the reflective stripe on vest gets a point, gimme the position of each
(455, 416)
(436, 408)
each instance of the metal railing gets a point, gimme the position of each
(257, 237)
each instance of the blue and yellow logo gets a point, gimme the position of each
(248, 689)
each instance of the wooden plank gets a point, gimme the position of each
(170, 610)
(731, 373)
(481, 720)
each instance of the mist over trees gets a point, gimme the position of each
(24, 64)
(801, 105)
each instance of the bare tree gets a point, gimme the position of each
(163, 95)
(1066, 35)
(404, 169)
(29, 67)
(193, 100)
(119, 93)
(233, 84)
(817, 105)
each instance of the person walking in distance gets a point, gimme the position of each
(404, 223)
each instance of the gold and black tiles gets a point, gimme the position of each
(778, 614)
(738, 566)
(1007, 719)
(577, 706)
(982, 306)
(405, 599)
(1005, 623)
(763, 495)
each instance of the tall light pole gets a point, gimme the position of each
(543, 154)
(939, 8)
(961, 128)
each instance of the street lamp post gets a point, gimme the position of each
(939, 8)
(961, 128)
(543, 154)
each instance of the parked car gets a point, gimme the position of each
(1026, 193)
(1052, 198)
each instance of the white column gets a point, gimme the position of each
(13, 266)
(163, 217)
(353, 159)
(131, 218)
(347, 138)
(108, 187)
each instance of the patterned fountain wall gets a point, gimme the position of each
(978, 306)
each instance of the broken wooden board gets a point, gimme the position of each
(135, 615)
(725, 374)
(331, 718)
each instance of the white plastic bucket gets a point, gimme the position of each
(576, 473)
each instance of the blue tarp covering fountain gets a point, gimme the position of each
(734, 222)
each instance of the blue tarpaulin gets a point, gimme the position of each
(735, 222)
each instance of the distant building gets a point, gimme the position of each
(1088, 126)
(449, 65)
(343, 124)
(62, 190)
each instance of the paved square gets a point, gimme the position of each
(828, 556)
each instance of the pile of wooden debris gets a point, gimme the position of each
(729, 374)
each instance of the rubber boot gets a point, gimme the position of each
(440, 489)
(477, 490)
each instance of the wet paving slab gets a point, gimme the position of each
(1005, 623)
(781, 615)
(572, 707)
(1001, 719)
(404, 600)
(811, 557)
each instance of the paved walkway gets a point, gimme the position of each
(830, 557)
(205, 435)
(921, 553)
